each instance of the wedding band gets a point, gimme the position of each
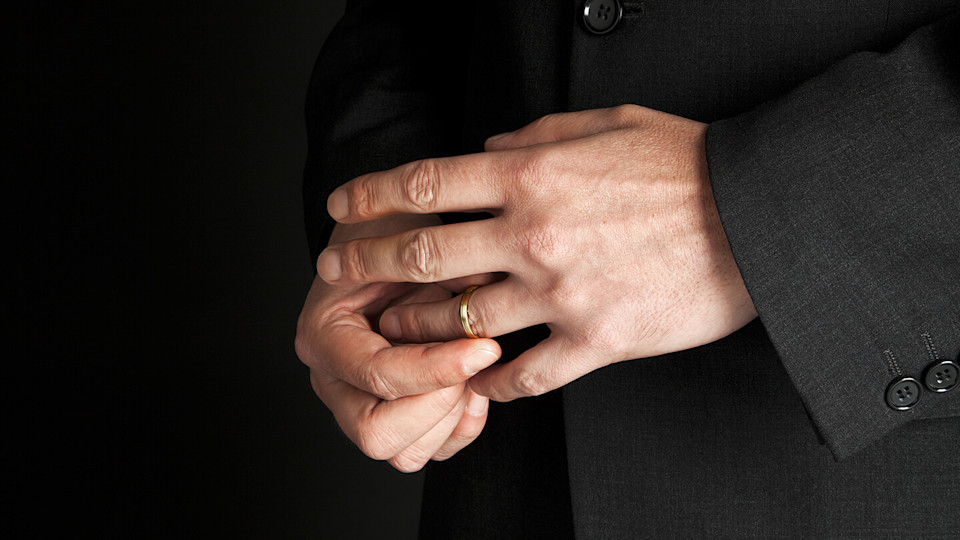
(464, 305)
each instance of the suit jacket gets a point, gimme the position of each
(834, 154)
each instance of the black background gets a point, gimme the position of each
(160, 234)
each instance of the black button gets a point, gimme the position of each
(941, 376)
(903, 393)
(601, 16)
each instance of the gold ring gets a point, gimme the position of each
(464, 304)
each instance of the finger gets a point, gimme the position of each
(472, 420)
(418, 293)
(429, 186)
(458, 285)
(423, 255)
(415, 456)
(566, 126)
(368, 362)
(493, 311)
(553, 363)
(383, 429)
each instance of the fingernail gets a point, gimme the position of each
(478, 360)
(328, 265)
(496, 138)
(337, 205)
(476, 404)
(390, 326)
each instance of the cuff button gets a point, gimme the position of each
(941, 376)
(903, 393)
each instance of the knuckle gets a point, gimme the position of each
(536, 166)
(623, 115)
(541, 243)
(354, 262)
(373, 442)
(378, 385)
(421, 255)
(546, 121)
(603, 337)
(528, 383)
(421, 183)
(410, 326)
(320, 385)
(317, 388)
(362, 198)
(479, 314)
(302, 347)
(468, 433)
(532, 175)
(308, 340)
(406, 463)
(300, 342)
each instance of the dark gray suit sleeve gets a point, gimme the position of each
(385, 91)
(841, 202)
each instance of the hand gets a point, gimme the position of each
(406, 404)
(604, 221)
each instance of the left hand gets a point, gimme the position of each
(603, 220)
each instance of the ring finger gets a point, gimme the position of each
(493, 310)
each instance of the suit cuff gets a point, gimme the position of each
(840, 202)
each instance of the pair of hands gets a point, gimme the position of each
(604, 228)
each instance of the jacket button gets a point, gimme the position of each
(941, 376)
(602, 16)
(903, 393)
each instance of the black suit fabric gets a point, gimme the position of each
(833, 151)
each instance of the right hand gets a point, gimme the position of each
(405, 404)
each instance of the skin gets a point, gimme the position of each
(405, 404)
(604, 227)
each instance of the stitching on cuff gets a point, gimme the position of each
(893, 367)
(931, 348)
